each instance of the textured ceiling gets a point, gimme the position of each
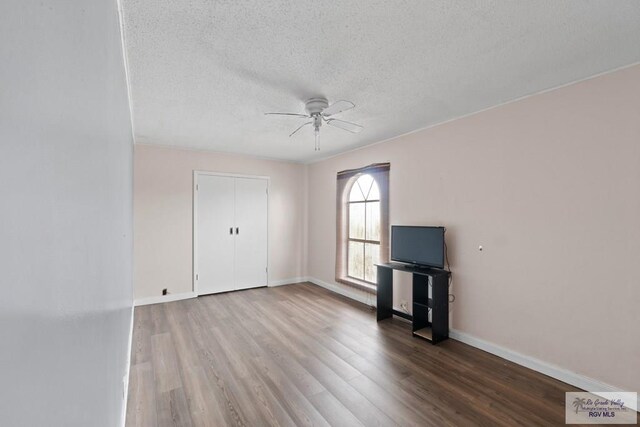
(203, 72)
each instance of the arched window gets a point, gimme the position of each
(363, 248)
(362, 222)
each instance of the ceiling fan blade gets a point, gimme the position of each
(287, 114)
(337, 107)
(308, 123)
(351, 127)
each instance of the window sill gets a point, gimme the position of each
(364, 286)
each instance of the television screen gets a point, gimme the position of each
(423, 246)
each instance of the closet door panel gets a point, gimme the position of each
(216, 234)
(251, 236)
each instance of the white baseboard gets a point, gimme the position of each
(553, 371)
(577, 380)
(125, 382)
(291, 281)
(164, 298)
(343, 290)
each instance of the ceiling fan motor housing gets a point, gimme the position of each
(315, 106)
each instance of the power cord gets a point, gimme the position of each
(452, 297)
(404, 308)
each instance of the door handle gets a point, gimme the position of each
(230, 230)
(237, 230)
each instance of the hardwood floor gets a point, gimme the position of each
(300, 355)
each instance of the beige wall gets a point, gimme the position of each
(163, 185)
(550, 187)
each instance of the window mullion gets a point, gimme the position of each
(373, 242)
(363, 201)
(364, 245)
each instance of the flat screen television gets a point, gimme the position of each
(418, 245)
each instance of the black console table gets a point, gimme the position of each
(435, 330)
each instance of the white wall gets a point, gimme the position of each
(65, 214)
(550, 186)
(163, 212)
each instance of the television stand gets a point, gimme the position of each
(436, 301)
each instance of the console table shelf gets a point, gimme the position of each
(430, 294)
(424, 333)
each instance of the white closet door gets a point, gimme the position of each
(215, 234)
(251, 236)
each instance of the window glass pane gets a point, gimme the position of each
(371, 257)
(356, 220)
(355, 266)
(356, 193)
(374, 194)
(365, 182)
(373, 220)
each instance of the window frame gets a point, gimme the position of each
(344, 182)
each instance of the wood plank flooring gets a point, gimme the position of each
(300, 355)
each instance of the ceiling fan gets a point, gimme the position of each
(319, 110)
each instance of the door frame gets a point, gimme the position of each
(194, 219)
